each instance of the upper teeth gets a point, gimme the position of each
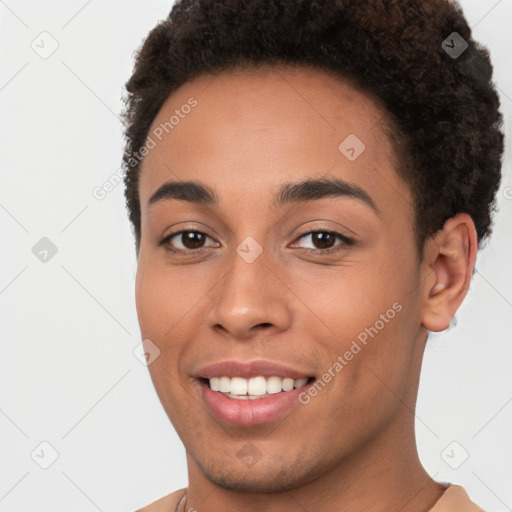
(255, 386)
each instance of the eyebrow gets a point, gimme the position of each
(308, 190)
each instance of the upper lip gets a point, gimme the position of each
(249, 369)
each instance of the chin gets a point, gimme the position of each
(269, 477)
(250, 484)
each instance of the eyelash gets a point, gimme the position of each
(192, 252)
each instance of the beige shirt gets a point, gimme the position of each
(454, 499)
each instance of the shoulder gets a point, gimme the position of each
(455, 498)
(166, 504)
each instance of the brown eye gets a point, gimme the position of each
(323, 242)
(187, 241)
(192, 239)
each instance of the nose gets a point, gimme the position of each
(250, 298)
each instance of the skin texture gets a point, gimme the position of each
(354, 443)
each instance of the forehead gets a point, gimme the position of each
(245, 132)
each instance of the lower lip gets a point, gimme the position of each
(250, 412)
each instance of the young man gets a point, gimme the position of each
(309, 183)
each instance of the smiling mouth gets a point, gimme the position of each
(254, 388)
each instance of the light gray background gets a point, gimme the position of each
(68, 327)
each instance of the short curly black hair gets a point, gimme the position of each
(443, 106)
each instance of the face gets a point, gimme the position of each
(276, 278)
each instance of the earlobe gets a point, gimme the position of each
(449, 259)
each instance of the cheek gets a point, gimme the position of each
(170, 309)
(159, 310)
(147, 300)
(342, 303)
(367, 316)
(163, 299)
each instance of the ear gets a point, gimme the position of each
(448, 263)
